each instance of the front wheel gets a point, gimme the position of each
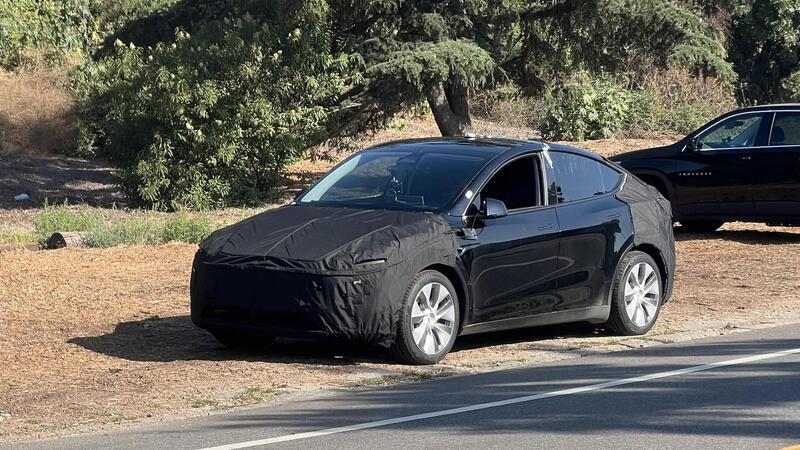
(636, 295)
(429, 320)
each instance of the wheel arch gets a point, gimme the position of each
(459, 284)
(658, 180)
(654, 253)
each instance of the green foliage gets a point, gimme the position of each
(765, 49)
(119, 229)
(12, 236)
(585, 109)
(791, 87)
(61, 28)
(60, 218)
(212, 118)
(673, 101)
(182, 227)
(151, 229)
(134, 230)
(612, 36)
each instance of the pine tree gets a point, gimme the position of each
(417, 50)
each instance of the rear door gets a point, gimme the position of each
(593, 228)
(715, 179)
(776, 169)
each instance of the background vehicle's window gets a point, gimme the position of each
(576, 178)
(516, 184)
(736, 132)
(785, 129)
(426, 180)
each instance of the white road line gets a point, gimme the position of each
(511, 401)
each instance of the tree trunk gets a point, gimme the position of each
(450, 109)
(66, 239)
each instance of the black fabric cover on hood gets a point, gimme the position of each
(652, 223)
(306, 270)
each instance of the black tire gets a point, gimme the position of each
(618, 320)
(700, 226)
(405, 349)
(239, 340)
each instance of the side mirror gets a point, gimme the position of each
(493, 208)
(691, 145)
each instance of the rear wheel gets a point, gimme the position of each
(240, 340)
(429, 320)
(636, 295)
(700, 226)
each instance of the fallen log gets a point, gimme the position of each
(66, 239)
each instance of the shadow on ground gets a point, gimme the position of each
(177, 339)
(55, 179)
(759, 237)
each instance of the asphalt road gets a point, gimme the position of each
(741, 390)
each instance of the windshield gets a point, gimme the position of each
(417, 180)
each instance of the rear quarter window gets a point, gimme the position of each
(578, 177)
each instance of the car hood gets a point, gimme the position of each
(325, 239)
(648, 153)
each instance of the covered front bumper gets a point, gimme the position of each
(291, 303)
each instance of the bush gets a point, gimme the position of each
(64, 29)
(56, 218)
(212, 118)
(585, 109)
(675, 101)
(507, 105)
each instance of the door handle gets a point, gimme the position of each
(746, 158)
(546, 227)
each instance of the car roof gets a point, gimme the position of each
(480, 146)
(768, 107)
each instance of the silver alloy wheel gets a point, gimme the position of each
(642, 294)
(433, 316)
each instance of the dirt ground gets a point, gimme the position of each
(101, 336)
(92, 338)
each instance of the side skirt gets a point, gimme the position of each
(593, 314)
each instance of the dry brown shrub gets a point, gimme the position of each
(37, 113)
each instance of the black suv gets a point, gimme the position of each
(741, 166)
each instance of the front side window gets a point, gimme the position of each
(785, 129)
(516, 184)
(578, 177)
(735, 132)
(404, 180)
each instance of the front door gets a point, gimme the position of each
(715, 178)
(776, 170)
(512, 262)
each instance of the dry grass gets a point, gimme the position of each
(98, 336)
(37, 114)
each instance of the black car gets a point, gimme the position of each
(409, 244)
(741, 166)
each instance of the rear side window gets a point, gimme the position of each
(785, 129)
(578, 177)
(611, 178)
